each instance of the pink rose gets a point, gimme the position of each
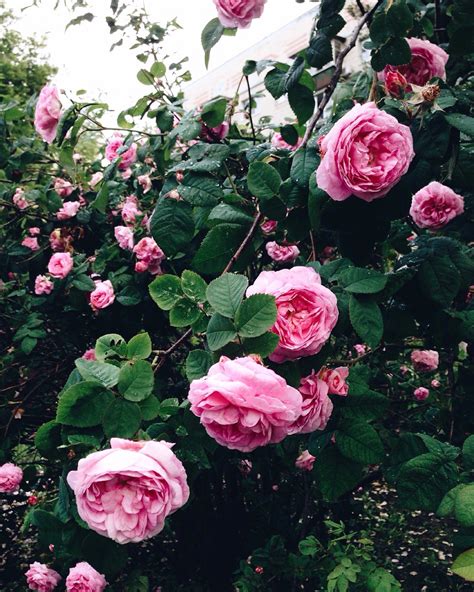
(149, 256)
(145, 182)
(126, 174)
(31, 242)
(360, 348)
(317, 406)
(427, 61)
(41, 578)
(424, 360)
(10, 477)
(279, 142)
(127, 491)
(435, 383)
(63, 188)
(89, 354)
(34, 231)
(305, 461)
(124, 237)
(60, 265)
(365, 154)
(435, 205)
(130, 209)
(48, 113)
(396, 84)
(268, 226)
(102, 296)
(59, 240)
(421, 393)
(96, 179)
(43, 285)
(19, 199)
(282, 253)
(84, 578)
(243, 405)
(115, 149)
(68, 210)
(307, 311)
(214, 134)
(238, 13)
(336, 380)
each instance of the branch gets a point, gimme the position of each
(331, 87)
(250, 110)
(244, 243)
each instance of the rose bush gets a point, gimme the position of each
(219, 332)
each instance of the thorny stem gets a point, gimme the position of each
(331, 87)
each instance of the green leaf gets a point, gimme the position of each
(139, 347)
(149, 408)
(275, 83)
(464, 505)
(359, 441)
(256, 315)
(381, 580)
(304, 165)
(106, 556)
(62, 508)
(121, 419)
(468, 453)
(394, 52)
(213, 112)
(109, 346)
(136, 380)
(319, 52)
(263, 180)
(366, 319)
(463, 565)
(226, 293)
(165, 290)
(309, 546)
(106, 374)
(158, 69)
(317, 198)
(399, 19)
(129, 296)
(446, 507)
(439, 279)
(102, 199)
(302, 102)
(201, 190)
(82, 405)
(48, 438)
(218, 247)
(336, 474)
(198, 363)
(145, 77)
(264, 345)
(463, 123)
(172, 225)
(185, 312)
(210, 35)
(220, 331)
(193, 286)
(362, 281)
(362, 402)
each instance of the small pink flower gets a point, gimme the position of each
(149, 256)
(102, 296)
(279, 142)
(114, 150)
(59, 240)
(68, 210)
(42, 578)
(63, 188)
(268, 226)
(259, 569)
(145, 182)
(317, 406)
(404, 369)
(360, 348)
(130, 209)
(48, 113)
(435, 383)
(305, 461)
(19, 199)
(84, 578)
(336, 380)
(124, 237)
(214, 134)
(31, 242)
(282, 253)
(421, 393)
(34, 231)
(43, 285)
(435, 205)
(126, 174)
(96, 179)
(60, 265)
(32, 500)
(10, 477)
(425, 360)
(89, 354)
(238, 13)
(396, 84)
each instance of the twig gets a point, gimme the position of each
(361, 7)
(244, 243)
(331, 87)
(250, 110)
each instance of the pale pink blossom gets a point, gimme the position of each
(116, 148)
(435, 383)
(145, 182)
(63, 188)
(126, 491)
(214, 134)
(421, 393)
(96, 179)
(336, 379)
(84, 578)
(317, 406)
(279, 142)
(424, 360)
(42, 578)
(307, 310)
(34, 231)
(365, 154)
(268, 226)
(30, 242)
(282, 253)
(243, 405)
(60, 265)
(238, 13)
(149, 256)
(360, 348)
(126, 174)
(305, 461)
(435, 205)
(43, 285)
(10, 477)
(68, 210)
(48, 113)
(59, 240)
(130, 209)
(19, 199)
(102, 296)
(89, 354)
(124, 237)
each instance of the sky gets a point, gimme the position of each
(81, 53)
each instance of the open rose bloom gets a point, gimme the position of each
(127, 491)
(238, 13)
(42, 578)
(317, 406)
(48, 113)
(60, 265)
(103, 295)
(307, 310)
(435, 205)
(365, 154)
(282, 253)
(116, 148)
(84, 578)
(425, 360)
(335, 378)
(10, 477)
(243, 405)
